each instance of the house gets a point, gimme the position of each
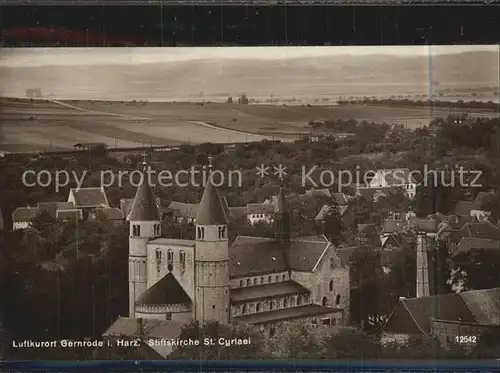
(390, 242)
(22, 217)
(69, 214)
(368, 235)
(254, 280)
(474, 208)
(111, 214)
(96, 146)
(398, 177)
(445, 316)
(260, 212)
(392, 226)
(467, 244)
(325, 210)
(51, 208)
(318, 192)
(370, 194)
(88, 199)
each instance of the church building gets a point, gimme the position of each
(255, 280)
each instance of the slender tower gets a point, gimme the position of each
(212, 302)
(282, 217)
(144, 225)
(422, 266)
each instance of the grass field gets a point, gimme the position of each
(43, 125)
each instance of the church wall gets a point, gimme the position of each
(329, 269)
(183, 274)
(263, 305)
(269, 278)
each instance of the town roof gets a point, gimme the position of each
(52, 207)
(416, 314)
(467, 244)
(69, 214)
(238, 212)
(285, 314)
(464, 207)
(368, 193)
(89, 197)
(184, 210)
(482, 229)
(391, 226)
(126, 204)
(164, 292)
(282, 203)
(111, 213)
(211, 210)
(263, 291)
(426, 225)
(260, 208)
(24, 214)
(319, 192)
(144, 207)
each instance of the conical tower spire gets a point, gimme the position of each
(211, 209)
(282, 215)
(144, 207)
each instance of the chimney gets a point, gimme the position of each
(422, 266)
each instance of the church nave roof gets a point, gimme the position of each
(164, 292)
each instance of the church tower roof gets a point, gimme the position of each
(211, 210)
(282, 216)
(144, 207)
(282, 204)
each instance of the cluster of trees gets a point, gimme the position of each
(34, 93)
(460, 104)
(242, 99)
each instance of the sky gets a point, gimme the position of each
(19, 57)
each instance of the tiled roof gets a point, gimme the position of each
(144, 207)
(211, 210)
(390, 240)
(52, 207)
(463, 207)
(267, 291)
(415, 315)
(126, 204)
(482, 229)
(470, 243)
(285, 314)
(89, 197)
(481, 196)
(111, 213)
(260, 208)
(391, 226)
(69, 214)
(340, 198)
(166, 291)
(368, 193)
(258, 255)
(325, 209)
(24, 214)
(184, 210)
(172, 241)
(238, 212)
(282, 203)
(130, 327)
(319, 192)
(426, 225)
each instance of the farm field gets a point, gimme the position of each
(57, 125)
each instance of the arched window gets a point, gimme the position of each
(299, 300)
(244, 310)
(285, 303)
(271, 305)
(182, 260)
(292, 301)
(170, 258)
(334, 321)
(255, 281)
(158, 256)
(139, 230)
(277, 278)
(201, 233)
(241, 283)
(252, 308)
(248, 282)
(262, 280)
(223, 232)
(331, 285)
(283, 278)
(306, 298)
(337, 300)
(324, 301)
(272, 332)
(258, 307)
(237, 310)
(270, 279)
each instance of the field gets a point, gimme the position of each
(54, 125)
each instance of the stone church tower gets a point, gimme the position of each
(144, 225)
(211, 263)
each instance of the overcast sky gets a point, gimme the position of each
(18, 57)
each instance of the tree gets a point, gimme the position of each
(350, 344)
(229, 100)
(298, 342)
(476, 269)
(243, 99)
(490, 204)
(333, 225)
(30, 93)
